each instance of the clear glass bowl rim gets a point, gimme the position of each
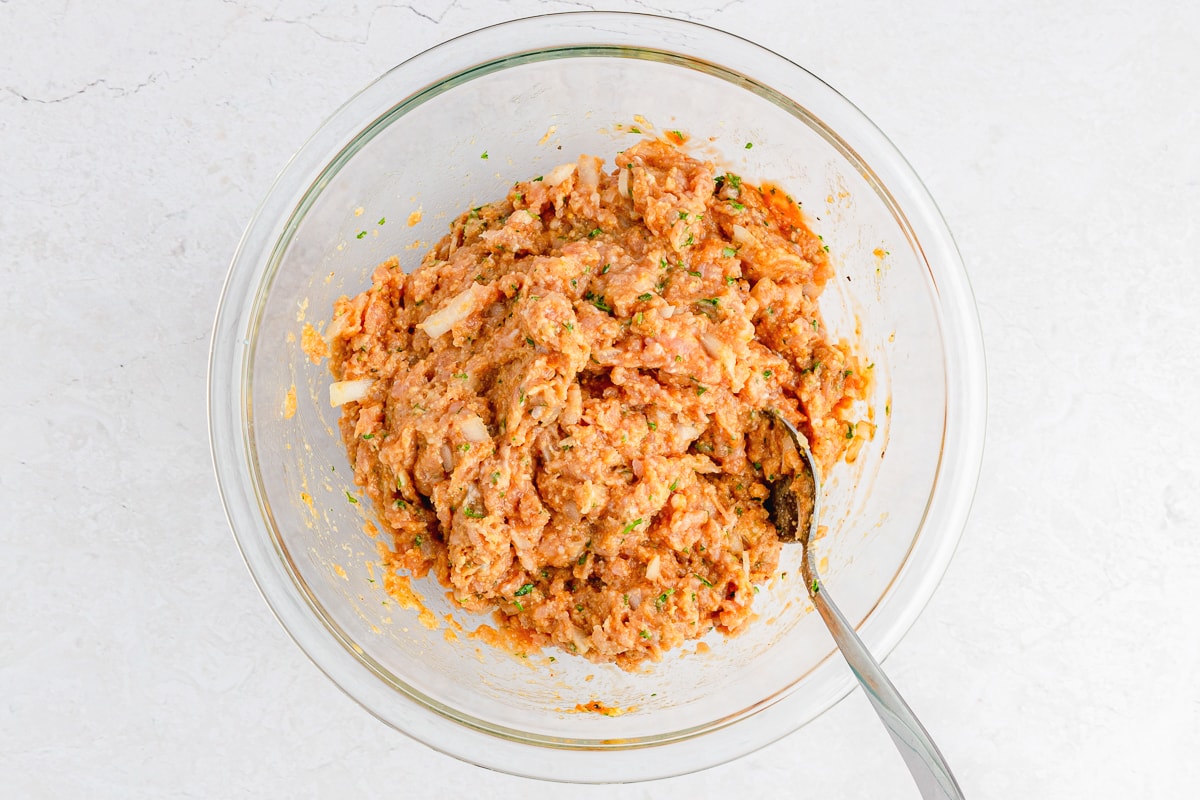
(269, 233)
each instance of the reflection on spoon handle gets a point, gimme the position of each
(924, 760)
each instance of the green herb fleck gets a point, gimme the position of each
(814, 586)
(472, 513)
(495, 477)
(631, 526)
(646, 296)
(351, 497)
(749, 145)
(737, 206)
(361, 234)
(652, 425)
(594, 232)
(598, 301)
(729, 252)
(661, 601)
(529, 341)
(635, 129)
(462, 376)
(645, 634)
(484, 155)
(702, 579)
(715, 302)
(524, 590)
(368, 436)
(674, 487)
(767, 373)
(850, 430)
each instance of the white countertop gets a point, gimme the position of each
(1060, 657)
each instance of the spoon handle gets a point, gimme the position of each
(924, 760)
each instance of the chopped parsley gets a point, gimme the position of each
(729, 252)
(715, 302)
(652, 425)
(594, 232)
(767, 373)
(361, 234)
(749, 145)
(524, 590)
(661, 601)
(631, 526)
(484, 155)
(702, 579)
(646, 296)
(368, 436)
(382, 221)
(598, 301)
(645, 634)
(472, 513)
(351, 497)
(737, 206)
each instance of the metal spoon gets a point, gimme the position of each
(794, 508)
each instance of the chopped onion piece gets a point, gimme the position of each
(654, 568)
(519, 217)
(623, 184)
(589, 173)
(743, 236)
(458, 309)
(342, 392)
(473, 430)
(559, 174)
(712, 345)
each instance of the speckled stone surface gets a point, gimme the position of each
(1061, 655)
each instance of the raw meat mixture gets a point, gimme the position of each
(559, 413)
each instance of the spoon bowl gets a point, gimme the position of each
(794, 507)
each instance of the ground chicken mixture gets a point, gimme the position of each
(560, 412)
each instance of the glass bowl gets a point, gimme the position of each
(454, 127)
